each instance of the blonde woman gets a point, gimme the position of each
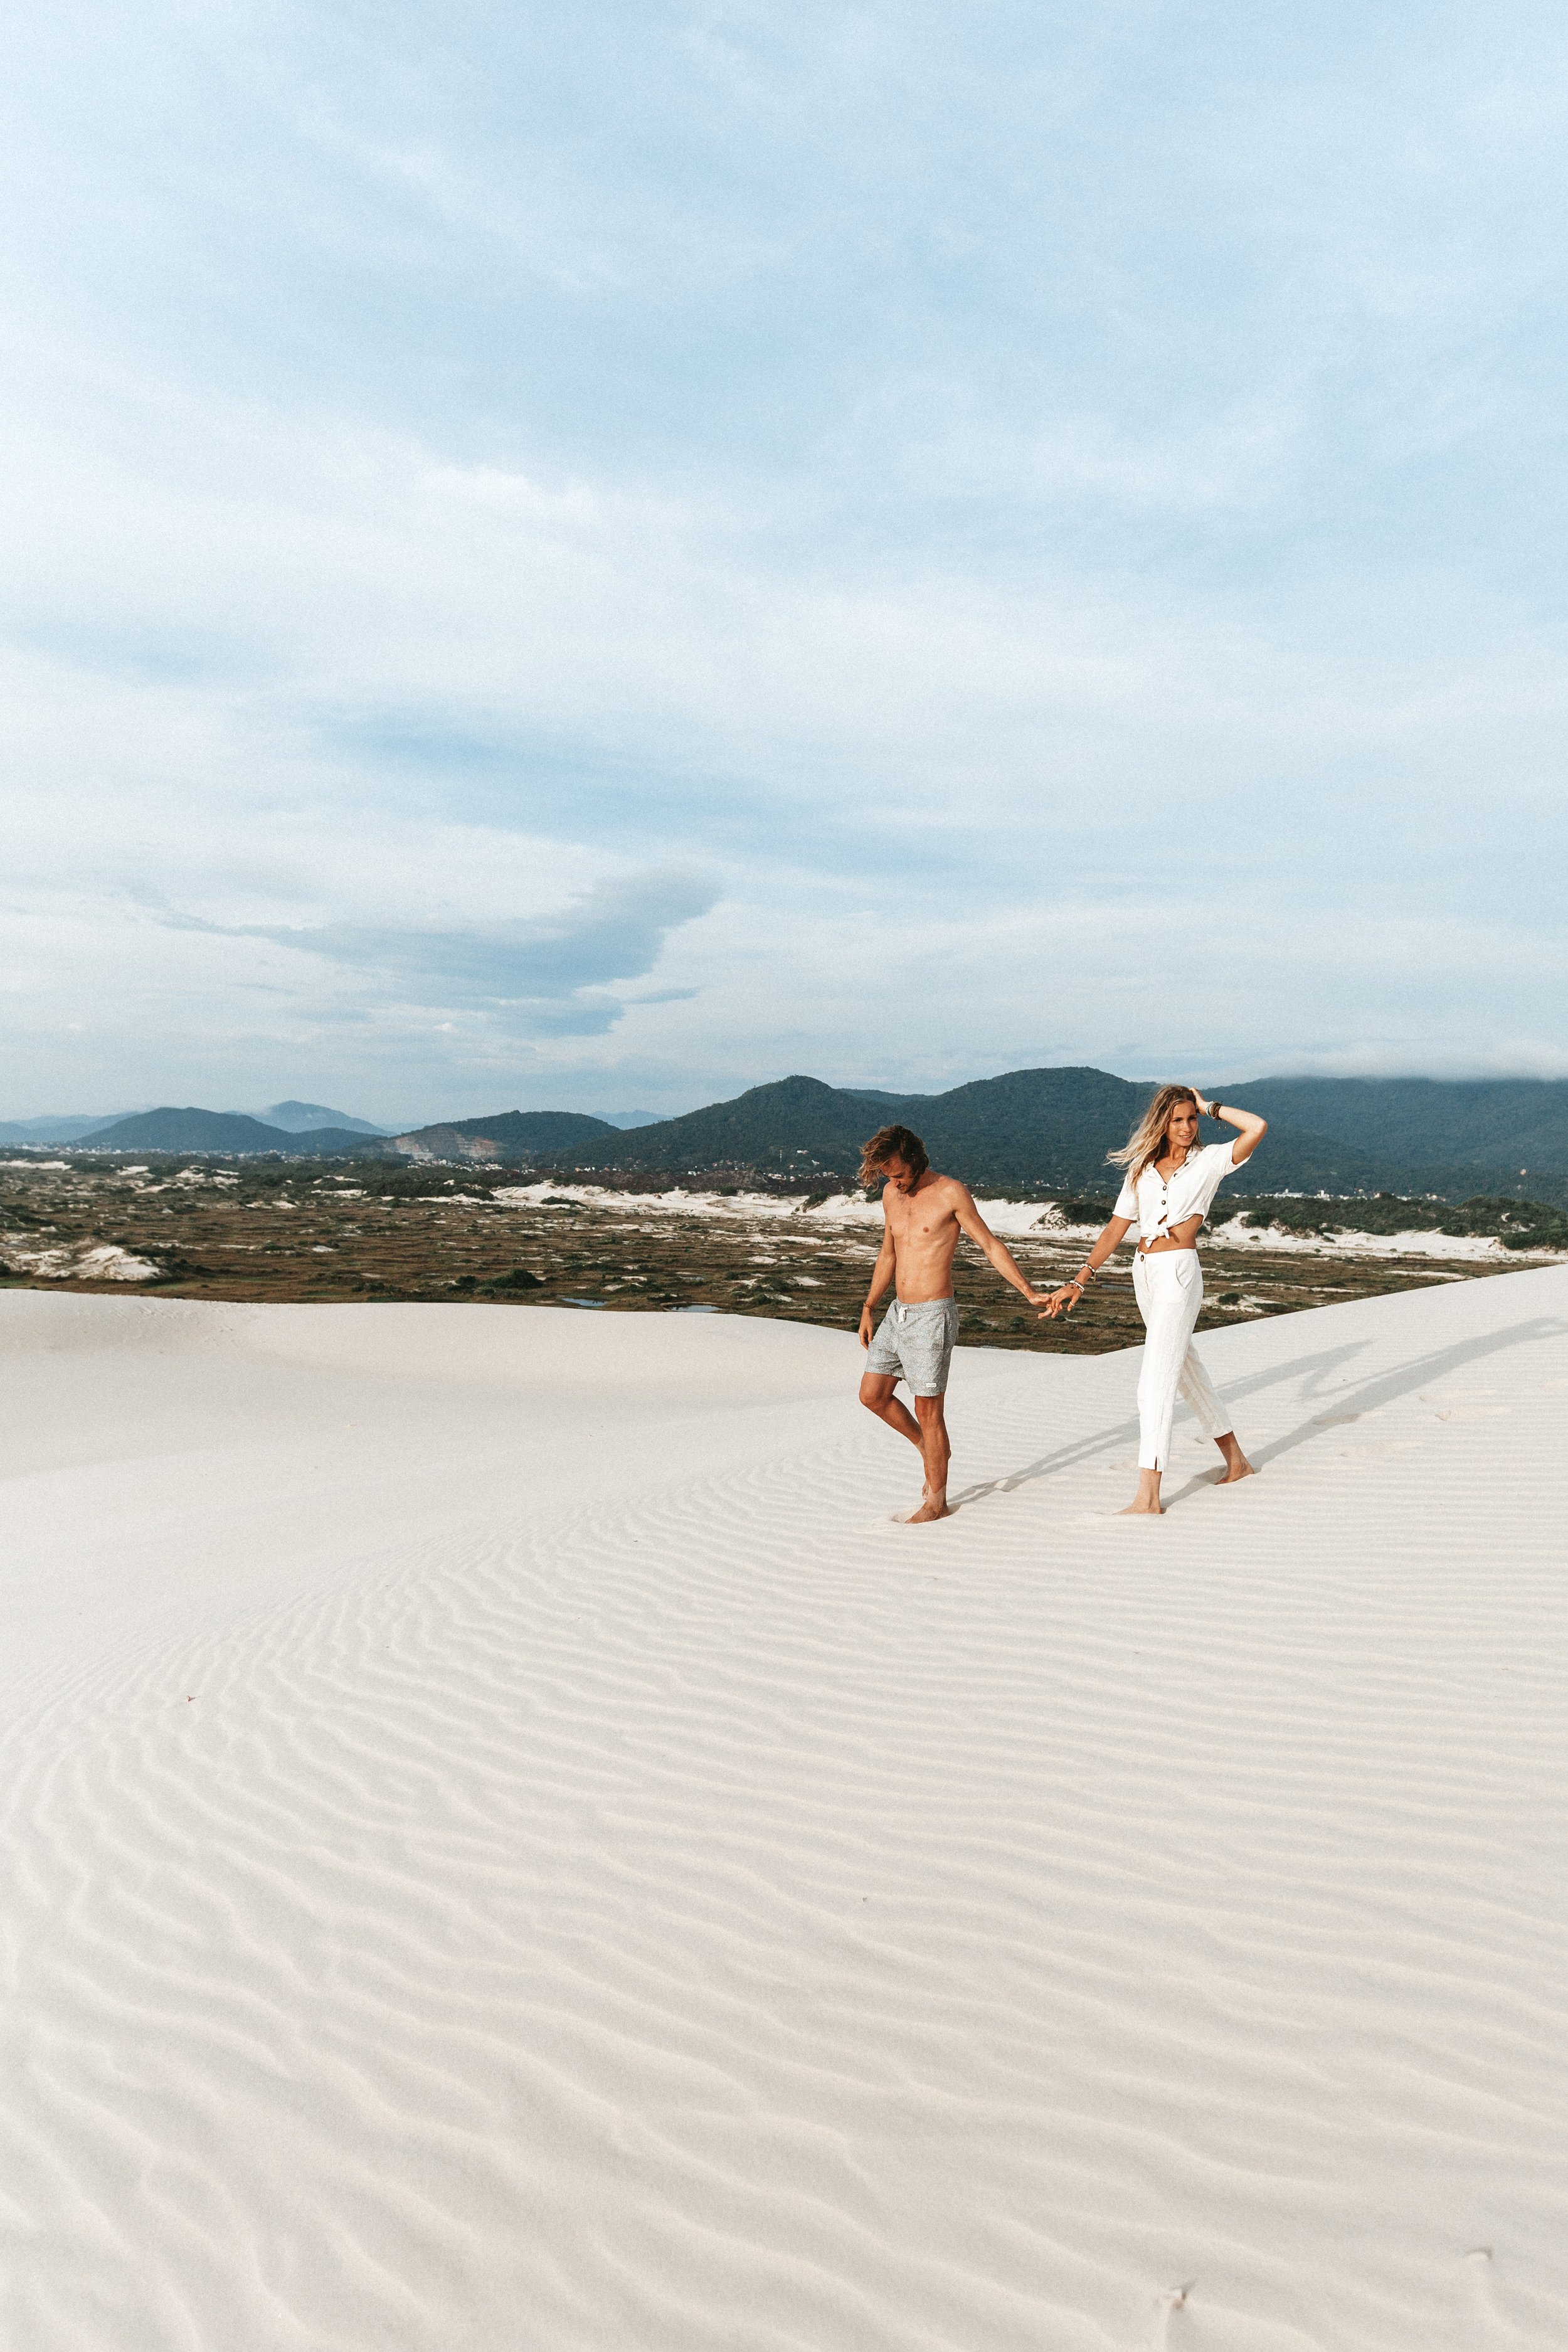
(1169, 1186)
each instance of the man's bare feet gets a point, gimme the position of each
(1140, 1510)
(932, 1506)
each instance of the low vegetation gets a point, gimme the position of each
(1517, 1225)
(263, 1230)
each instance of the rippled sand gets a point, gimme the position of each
(509, 1845)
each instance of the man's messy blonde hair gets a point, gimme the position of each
(893, 1143)
(1147, 1141)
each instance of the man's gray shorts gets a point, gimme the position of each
(915, 1344)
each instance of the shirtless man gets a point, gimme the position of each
(923, 1216)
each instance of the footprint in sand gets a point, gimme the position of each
(1480, 2295)
(1463, 1404)
(1166, 2305)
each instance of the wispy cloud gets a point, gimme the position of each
(547, 972)
(619, 547)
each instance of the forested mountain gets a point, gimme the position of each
(512, 1137)
(1027, 1127)
(191, 1129)
(1054, 1127)
(792, 1124)
(68, 1127)
(305, 1119)
(1042, 1128)
(1509, 1128)
(279, 1126)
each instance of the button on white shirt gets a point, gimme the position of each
(1155, 1202)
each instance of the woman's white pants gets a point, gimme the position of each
(1169, 1291)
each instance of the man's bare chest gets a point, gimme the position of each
(918, 1227)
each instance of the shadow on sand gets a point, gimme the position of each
(1350, 1399)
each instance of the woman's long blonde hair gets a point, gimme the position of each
(1147, 1141)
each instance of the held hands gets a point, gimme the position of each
(1062, 1301)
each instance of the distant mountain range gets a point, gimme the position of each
(65, 1127)
(1053, 1129)
(512, 1138)
(1028, 1127)
(1507, 1127)
(192, 1129)
(288, 1119)
(1042, 1128)
(305, 1119)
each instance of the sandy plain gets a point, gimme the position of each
(511, 1846)
(272, 1232)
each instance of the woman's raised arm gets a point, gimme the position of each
(1252, 1128)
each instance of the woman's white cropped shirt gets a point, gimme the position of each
(1155, 1204)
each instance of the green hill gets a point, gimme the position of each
(1053, 1127)
(1507, 1127)
(1044, 1130)
(306, 1118)
(228, 1133)
(1032, 1127)
(70, 1127)
(793, 1127)
(1037, 1128)
(512, 1137)
(189, 1129)
(335, 1144)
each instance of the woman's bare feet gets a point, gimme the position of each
(1236, 1464)
(1145, 1503)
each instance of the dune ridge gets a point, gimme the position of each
(613, 1886)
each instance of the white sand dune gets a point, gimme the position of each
(1018, 1220)
(80, 1261)
(508, 1845)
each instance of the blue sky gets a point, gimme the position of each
(591, 557)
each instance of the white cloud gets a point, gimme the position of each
(994, 494)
